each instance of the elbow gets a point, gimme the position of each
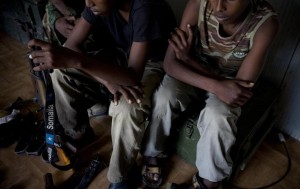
(166, 64)
(170, 61)
(73, 46)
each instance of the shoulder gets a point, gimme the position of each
(269, 23)
(152, 9)
(263, 5)
(263, 23)
(193, 3)
(268, 29)
(136, 4)
(265, 35)
(191, 13)
(262, 10)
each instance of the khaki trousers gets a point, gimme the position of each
(76, 92)
(216, 124)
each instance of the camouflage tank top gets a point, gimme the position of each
(225, 54)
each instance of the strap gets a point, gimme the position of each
(91, 171)
(151, 170)
(54, 150)
(51, 121)
(46, 97)
(47, 101)
(63, 167)
(198, 182)
(54, 144)
(65, 162)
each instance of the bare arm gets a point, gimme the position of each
(79, 35)
(126, 76)
(185, 71)
(233, 92)
(136, 67)
(52, 56)
(253, 63)
(181, 42)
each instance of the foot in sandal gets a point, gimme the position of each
(151, 173)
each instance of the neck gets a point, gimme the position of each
(124, 9)
(229, 29)
(124, 5)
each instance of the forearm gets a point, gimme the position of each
(253, 64)
(199, 67)
(78, 36)
(72, 46)
(197, 80)
(187, 74)
(105, 72)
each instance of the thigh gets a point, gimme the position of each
(218, 116)
(152, 77)
(177, 93)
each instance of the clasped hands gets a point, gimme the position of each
(131, 94)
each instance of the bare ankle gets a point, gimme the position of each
(151, 160)
(210, 185)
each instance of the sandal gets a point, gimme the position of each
(151, 173)
(180, 186)
(197, 184)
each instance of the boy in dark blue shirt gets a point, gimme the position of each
(129, 66)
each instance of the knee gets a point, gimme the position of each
(59, 78)
(164, 92)
(125, 110)
(56, 75)
(164, 98)
(218, 120)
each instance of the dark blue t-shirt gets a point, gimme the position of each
(149, 20)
